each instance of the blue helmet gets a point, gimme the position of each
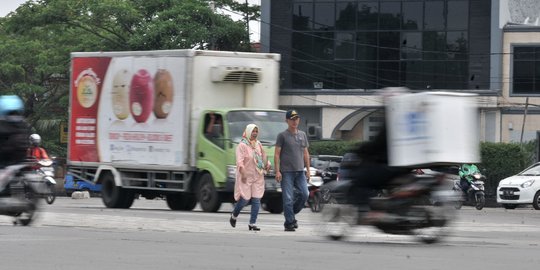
(11, 104)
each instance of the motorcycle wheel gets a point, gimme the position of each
(480, 201)
(51, 196)
(438, 218)
(337, 219)
(458, 204)
(316, 203)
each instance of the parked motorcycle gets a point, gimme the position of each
(475, 194)
(404, 208)
(18, 196)
(46, 171)
(315, 201)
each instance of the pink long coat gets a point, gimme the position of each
(254, 186)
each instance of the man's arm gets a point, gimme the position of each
(277, 153)
(307, 162)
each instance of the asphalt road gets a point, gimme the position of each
(83, 234)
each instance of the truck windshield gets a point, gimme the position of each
(270, 124)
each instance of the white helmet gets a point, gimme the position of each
(35, 139)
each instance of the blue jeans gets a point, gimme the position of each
(255, 205)
(294, 192)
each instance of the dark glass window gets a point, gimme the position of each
(457, 45)
(323, 45)
(302, 16)
(458, 14)
(411, 45)
(302, 46)
(390, 15)
(411, 74)
(367, 74)
(413, 15)
(456, 74)
(346, 75)
(434, 15)
(388, 74)
(434, 74)
(389, 44)
(434, 44)
(324, 16)
(526, 70)
(302, 74)
(345, 46)
(368, 15)
(366, 45)
(346, 16)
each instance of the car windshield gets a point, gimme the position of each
(270, 124)
(531, 171)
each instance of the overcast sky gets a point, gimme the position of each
(7, 6)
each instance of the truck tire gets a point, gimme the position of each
(207, 194)
(182, 202)
(275, 205)
(114, 196)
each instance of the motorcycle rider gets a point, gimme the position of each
(13, 131)
(35, 151)
(369, 169)
(466, 172)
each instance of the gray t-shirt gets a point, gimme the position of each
(292, 146)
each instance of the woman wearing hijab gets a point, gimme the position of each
(251, 161)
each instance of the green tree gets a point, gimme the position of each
(36, 41)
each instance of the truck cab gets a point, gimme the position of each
(220, 132)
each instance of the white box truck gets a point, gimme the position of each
(166, 123)
(432, 128)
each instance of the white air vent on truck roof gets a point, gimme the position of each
(236, 74)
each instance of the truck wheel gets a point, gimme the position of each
(182, 202)
(207, 194)
(114, 196)
(275, 205)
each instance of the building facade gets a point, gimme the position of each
(338, 54)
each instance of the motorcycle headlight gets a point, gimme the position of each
(527, 183)
(231, 171)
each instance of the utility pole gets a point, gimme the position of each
(248, 42)
(524, 119)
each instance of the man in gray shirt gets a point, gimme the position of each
(290, 159)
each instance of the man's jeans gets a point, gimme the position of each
(255, 205)
(295, 193)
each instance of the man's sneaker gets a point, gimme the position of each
(289, 229)
(295, 224)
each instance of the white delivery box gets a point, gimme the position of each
(432, 128)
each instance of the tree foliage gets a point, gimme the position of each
(36, 41)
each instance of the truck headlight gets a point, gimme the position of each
(231, 171)
(527, 183)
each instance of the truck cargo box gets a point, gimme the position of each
(142, 108)
(432, 128)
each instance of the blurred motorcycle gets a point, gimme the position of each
(18, 196)
(405, 208)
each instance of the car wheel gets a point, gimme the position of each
(536, 201)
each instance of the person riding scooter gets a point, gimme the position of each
(466, 175)
(35, 151)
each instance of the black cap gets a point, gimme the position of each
(291, 114)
